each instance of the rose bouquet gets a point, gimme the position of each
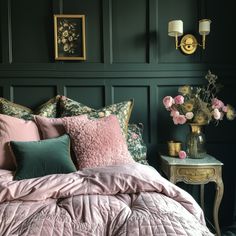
(198, 105)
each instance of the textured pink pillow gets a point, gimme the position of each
(14, 129)
(50, 127)
(97, 142)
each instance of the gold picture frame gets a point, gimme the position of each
(69, 37)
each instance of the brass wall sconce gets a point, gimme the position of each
(188, 43)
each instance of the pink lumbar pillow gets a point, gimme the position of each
(14, 129)
(50, 127)
(97, 142)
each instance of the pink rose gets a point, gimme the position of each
(179, 99)
(189, 115)
(168, 101)
(182, 119)
(216, 114)
(174, 113)
(225, 109)
(179, 120)
(216, 103)
(175, 120)
(182, 154)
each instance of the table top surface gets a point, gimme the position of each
(207, 160)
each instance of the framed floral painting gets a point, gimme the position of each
(69, 35)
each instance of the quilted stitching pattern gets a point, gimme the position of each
(124, 214)
(116, 201)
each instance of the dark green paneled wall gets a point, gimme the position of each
(129, 55)
(28, 44)
(129, 45)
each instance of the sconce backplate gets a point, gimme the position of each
(188, 44)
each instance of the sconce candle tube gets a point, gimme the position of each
(203, 41)
(176, 41)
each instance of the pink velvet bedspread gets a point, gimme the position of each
(117, 200)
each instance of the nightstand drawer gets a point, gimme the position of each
(195, 175)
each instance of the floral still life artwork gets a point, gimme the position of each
(199, 105)
(69, 33)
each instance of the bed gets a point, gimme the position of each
(105, 191)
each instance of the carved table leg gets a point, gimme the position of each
(172, 177)
(172, 180)
(202, 196)
(218, 198)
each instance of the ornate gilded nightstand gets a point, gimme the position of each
(197, 171)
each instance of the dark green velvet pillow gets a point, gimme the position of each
(40, 158)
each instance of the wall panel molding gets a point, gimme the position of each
(6, 31)
(153, 31)
(132, 72)
(107, 31)
(57, 6)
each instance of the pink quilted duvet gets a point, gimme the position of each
(117, 200)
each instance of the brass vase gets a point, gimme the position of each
(195, 143)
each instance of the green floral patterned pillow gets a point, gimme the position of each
(48, 109)
(122, 110)
(136, 145)
(12, 109)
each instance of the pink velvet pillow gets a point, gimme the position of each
(97, 142)
(50, 127)
(14, 129)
